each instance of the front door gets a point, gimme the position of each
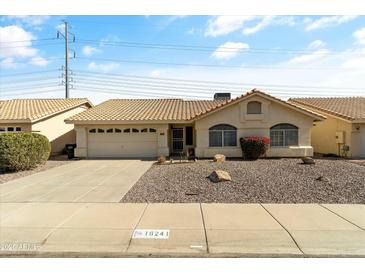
(177, 140)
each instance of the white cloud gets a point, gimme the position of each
(8, 63)
(307, 58)
(106, 67)
(270, 20)
(194, 31)
(229, 50)
(355, 63)
(16, 44)
(316, 44)
(60, 27)
(327, 21)
(221, 25)
(360, 36)
(31, 20)
(9, 36)
(156, 73)
(89, 50)
(39, 61)
(111, 38)
(319, 52)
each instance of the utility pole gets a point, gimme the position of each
(66, 61)
(66, 69)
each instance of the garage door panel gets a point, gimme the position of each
(122, 145)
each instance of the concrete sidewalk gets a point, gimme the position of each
(194, 230)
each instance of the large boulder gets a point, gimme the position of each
(219, 176)
(308, 161)
(219, 158)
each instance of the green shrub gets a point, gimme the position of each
(23, 150)
(254, 146)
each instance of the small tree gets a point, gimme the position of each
(254, 146)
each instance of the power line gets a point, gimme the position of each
(114, 76)
(27, 80)
(175, 87)
(30, 61)
(210, 48)
(167, 95)
(149, 84)
(184, 93)
(33, 92)
(38, 45)
(136, 92)
(30, 40)
(26, 84)
(30, 87)
(213, 66)
(26, 73)
(120, 24)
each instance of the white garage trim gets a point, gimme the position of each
(119, 142)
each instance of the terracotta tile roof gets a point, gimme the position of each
(163, 109)
(144, 110)
(350, 108)
(29, 110)
(258, 92)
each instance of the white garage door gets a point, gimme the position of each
(122, 142)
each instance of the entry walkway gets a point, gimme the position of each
(197, 230)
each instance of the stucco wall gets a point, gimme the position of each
(361, 138)
(324, 135)
(56, 130)
(82, 136)
(235, 115)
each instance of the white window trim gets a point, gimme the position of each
(284, 139)
(222, 133)
(250, 102)
(14, 131)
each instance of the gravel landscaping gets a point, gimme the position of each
(53, 162)
(261, 181)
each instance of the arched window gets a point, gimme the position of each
(223, 135)
(283, 135)
(254, 107)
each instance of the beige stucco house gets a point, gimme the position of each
(45, 116)
(152, 127)
(343, 132)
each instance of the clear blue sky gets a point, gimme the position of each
(274, 51)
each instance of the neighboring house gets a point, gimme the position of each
(343, 132)
(151, 127)
(45, 116)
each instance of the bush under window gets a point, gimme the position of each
(23, 150)
(254, 146)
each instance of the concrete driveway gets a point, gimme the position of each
(80, 181)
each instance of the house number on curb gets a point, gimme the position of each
(151, 234)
